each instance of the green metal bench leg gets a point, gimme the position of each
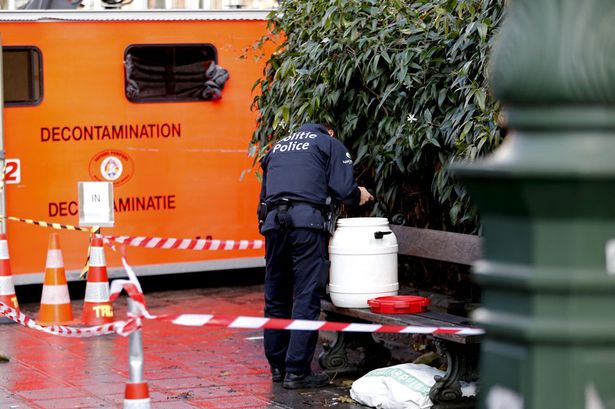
(335, 357)
(462, 365)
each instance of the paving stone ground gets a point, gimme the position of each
(185, 367)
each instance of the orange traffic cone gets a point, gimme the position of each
(55, 301)
(7, 289)
(136, 396)
(97, 307)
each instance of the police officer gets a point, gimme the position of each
(300, 173)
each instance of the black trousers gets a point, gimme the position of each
(296, 273)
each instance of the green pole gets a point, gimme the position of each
(547, 204)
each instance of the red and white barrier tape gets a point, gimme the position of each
(134, 291)
(186, 244)
(198, 320)
(155, 242)
(123, 328)
(133, 288)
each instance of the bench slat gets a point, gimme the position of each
(453, 319)
(438, 245)
(427, 319)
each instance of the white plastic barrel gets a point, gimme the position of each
(363, 254)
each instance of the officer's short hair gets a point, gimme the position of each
(328, 127)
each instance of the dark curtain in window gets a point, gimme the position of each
(202, 80)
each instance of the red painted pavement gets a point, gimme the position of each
(185, 367)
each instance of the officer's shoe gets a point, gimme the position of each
(310, 380)
(277, 375)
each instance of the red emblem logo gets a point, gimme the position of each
(111, 166)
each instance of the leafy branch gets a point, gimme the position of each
(403, 82)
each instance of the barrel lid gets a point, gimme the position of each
(363, 222)
(398, 304)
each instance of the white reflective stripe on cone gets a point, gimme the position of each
(54, 259)
(55, 294)
(6, 286)
(97, 257)
(137, 404)
(97, 292)
(4, 250)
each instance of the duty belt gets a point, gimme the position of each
(329, 212)
(285, 204)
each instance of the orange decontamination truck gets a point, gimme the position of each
(156, 102)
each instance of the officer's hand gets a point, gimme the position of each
(365, 196)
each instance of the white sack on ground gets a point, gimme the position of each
(404, 386)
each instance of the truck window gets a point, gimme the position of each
(23, 78)
(173, 73)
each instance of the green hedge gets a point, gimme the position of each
(403, 82)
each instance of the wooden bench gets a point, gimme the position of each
(460, 352)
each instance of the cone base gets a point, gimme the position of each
(137, 404)
(97, 313)
(136, 396)
(55, 314)
(136, 391)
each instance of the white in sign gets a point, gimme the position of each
(96, 204)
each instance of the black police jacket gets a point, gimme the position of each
(305, 168)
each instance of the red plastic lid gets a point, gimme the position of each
(398, 304)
